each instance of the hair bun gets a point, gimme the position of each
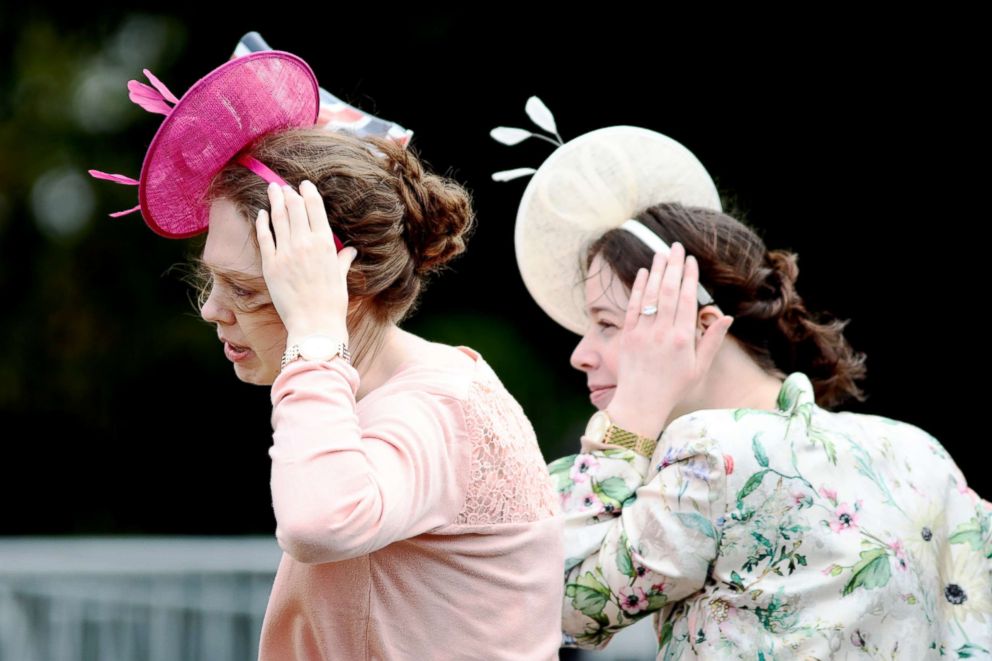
(438, 210)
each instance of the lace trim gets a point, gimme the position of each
(509, 481)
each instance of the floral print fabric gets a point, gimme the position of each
(794, 533)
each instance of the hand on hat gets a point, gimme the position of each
(661, 358)
(305, 275)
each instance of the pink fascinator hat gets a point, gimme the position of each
(224, 112)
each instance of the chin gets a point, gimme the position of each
(253, 376)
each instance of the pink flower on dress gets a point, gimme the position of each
(583, 466)
(728, 464)
(640, 567)
(829, 494)
(845, 518)
(592, 502)
(801, 497)
(900, 554)
(633, 600)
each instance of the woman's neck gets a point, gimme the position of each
(388, 347)
(733, 381)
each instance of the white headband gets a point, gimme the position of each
(653, 241)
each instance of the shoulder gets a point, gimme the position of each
(434, 369)
(719, 430)
(456, 382)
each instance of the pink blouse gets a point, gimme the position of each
(419, 523)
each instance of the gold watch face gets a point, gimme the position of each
(598, 424)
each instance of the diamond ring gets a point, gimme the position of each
(649, 310)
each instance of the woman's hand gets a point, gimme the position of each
(660, 357)
(305, 275)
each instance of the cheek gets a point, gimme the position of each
(610, 351)
(264, 331)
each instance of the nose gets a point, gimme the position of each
(584, 358)
(214, 311)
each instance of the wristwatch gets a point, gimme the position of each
(316, 347)
(602, 430)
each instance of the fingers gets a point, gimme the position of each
(671, 285)
(299, 223)
(653, 285)
(345, 259)
(315, 210)
(266, 242)
(708, 346)
(280, 216)
(686, 312)
(299, 215)
(636, 297)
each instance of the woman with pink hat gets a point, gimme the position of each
(716, 487)
(411, 499)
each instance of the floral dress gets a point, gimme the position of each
(798, 533)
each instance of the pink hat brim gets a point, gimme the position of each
(225, 111)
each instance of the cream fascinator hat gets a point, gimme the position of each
(586, 187)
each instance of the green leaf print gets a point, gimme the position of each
(698, 522)
(560, 469)
(562, 464)
(759, 452)
(788, 395)
(761, 539)
(596, 636)
(871, 572)
(752, 483)
(624, 563)
(823, 439)
(666, 634)
(969, 533)
(736, 582)
(656, 601)
(614, 488)
(968, 650)
(589, 596)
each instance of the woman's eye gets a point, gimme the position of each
(241, 293)
(605, 324)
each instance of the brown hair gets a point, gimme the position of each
(755, 286)
(405, 222)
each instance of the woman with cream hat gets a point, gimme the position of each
(716, 487)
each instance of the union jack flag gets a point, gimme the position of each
(335, 114)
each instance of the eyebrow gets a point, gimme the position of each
(603, 308)
(233, 276)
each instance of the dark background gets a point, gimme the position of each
(855, 142)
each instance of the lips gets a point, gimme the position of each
(235, 352)
(599, 395)
(236, 347)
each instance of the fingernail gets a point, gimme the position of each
(273, 185)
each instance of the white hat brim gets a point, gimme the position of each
(588, 186)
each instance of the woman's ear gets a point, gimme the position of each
(706, 316)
